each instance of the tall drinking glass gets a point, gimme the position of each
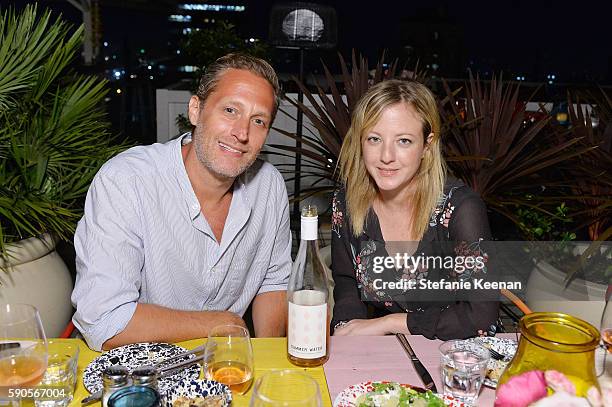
(464, 367)
(229, 357)
(286, 388)
(61, 374)
(23, 350)
(606, 334)
(606, 326)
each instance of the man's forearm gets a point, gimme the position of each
(153, 323)
(270, 314)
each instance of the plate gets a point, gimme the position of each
(197, 388)
(135, 355)
(496, 367)
(347, 397)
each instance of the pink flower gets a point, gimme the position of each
(562, 399)
(521, 390)
(606, 395)
(594, 397)
(559, 382)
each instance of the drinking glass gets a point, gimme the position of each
(284, 388)
(606, 333)
(464, 367)
(606, 326)
(61, 374)
(23, 350)
(229, 357)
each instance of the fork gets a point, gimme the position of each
(494, 354)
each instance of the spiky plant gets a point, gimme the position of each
(491, 146)
(53, 133)
(592, 180)
(330, 116)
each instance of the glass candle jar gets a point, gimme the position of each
(555, 341)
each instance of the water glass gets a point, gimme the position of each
(229, 357)
(60, 378)
(464, 366)
(285, 388)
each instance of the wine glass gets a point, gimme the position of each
(23, 349)
(284, 388)
(229, 357)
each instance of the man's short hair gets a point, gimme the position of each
(257, 66)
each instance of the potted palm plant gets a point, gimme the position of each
(584, 271)
(53, 139)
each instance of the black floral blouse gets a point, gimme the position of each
(459, 219)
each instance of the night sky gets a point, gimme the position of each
(568, 38)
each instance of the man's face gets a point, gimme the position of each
(232, 126)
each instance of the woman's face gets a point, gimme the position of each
(394, 147)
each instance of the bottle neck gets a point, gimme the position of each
(309, 228)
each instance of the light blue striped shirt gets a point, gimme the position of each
(143, 239)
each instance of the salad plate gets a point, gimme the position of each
(391, 394)
(495, 368)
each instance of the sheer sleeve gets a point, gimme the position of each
(468, 225)
(347, 299)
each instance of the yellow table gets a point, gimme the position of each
(269, 353)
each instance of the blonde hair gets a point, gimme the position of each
(361, 189)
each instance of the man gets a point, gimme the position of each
(180, 237)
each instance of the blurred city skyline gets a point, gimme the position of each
(529, 39)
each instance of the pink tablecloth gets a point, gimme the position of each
(357, 359)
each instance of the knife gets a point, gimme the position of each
(423, 373)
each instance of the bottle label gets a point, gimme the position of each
(307, 333)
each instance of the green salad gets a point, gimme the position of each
(395, 395)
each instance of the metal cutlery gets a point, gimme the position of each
(418, 366)
(194, 351)
(494, 354)
(162, 371)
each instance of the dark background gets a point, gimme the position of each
(570, 39)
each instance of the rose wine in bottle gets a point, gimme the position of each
(307, 293)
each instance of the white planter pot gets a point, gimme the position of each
(37, 275)
(583, 299)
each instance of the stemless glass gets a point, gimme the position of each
(463, 369)
(285, 388)
(23, 349)
(606, 334)
(606, 326)
(229, 357)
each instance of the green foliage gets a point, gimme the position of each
(539, 225)
(205, 46)
(183, 123)
(53, 133)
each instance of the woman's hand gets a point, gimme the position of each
(389, 324)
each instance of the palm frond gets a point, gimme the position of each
(53, 133)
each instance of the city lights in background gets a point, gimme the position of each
(212, 7)
(179, 18)
(187, 68)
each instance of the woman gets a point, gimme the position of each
(396, 192)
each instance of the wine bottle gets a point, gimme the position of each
(307, 294)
